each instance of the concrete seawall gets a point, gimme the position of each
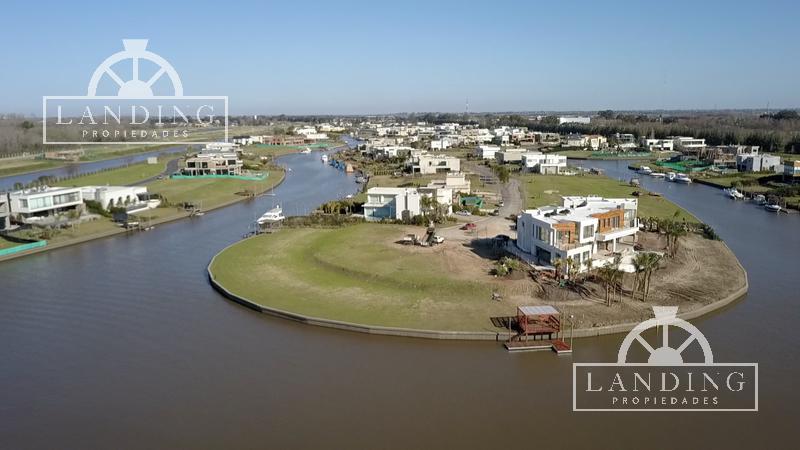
(457, 335)
(115, 232)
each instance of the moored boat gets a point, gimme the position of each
(682, 178)
(324, 158)
(671, 176)
(773, 207)
(733, 193)
(644, 170)
(273, 215)
(658, 175)
(760, 199)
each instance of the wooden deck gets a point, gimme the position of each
(556, 345)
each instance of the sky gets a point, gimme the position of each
(375, 57)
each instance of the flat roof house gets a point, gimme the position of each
(455, 181)
(132, 198)
(213, 164)
(485, 151)
(758, 163)
(581, 228)
(391, 204)
(509, 156)
(431, 164)
(33, 204)
(546, 164)
(5, 212)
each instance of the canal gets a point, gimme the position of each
(75, 169)
(121, 343)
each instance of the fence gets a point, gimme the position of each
(22, 248)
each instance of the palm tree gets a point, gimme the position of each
(639, 265)
(558, 264)
(589, 267)
(652, 263)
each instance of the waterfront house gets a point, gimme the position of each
(395, 203)
(510, 156)
(547, 164)
(391, 204)
(39, 203)
(791, 171)
(573, 140)
(132, 198)
(754, 162)
(658, 145)
(688, 145)
(5, 212)
(213, 164)
(581, 228)
(596, 141)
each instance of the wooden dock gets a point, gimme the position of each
(556, 345)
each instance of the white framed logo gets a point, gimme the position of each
(131, 110)
(665, 382)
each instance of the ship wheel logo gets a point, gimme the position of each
(665, 317)
(135, 51)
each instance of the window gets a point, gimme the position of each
(588, 231)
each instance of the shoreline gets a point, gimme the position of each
(119, 231)
(497, 336)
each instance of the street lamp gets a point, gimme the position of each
(571, 330)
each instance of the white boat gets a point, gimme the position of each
(760, 199)
(644, 170)
(306, 151)
(682, 178)
(734, 193)
(773, 208)
(658, 175)
(324, 158)
(671, 176)
(273, 215)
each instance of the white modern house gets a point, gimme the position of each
(441, 144)
(455, 181)
(216, 163)
(30, 205)
(395, 203)
(755, 162)
(574, 140)
(574, 119)
(510, 155)
(485, 151)
(132, 198)
(688, 143)
(391, 203)
(658, 145)
(430, 164)
(546, 164)
(5, 211)
(582, 228)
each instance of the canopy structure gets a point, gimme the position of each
(538, 320)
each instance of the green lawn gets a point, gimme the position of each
(210, 192)
(544, 190)
(745, 179)
(356, 274)
(20, 166)
(122, 176)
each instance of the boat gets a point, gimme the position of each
(306, 151)
(773, 207)
(273, 215)
(644, 170)
(760, 199)
(671, 176)
(324, 158)
(682, 178)
(734, 193)
(658, 175)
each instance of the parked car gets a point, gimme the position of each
(438, 239)
(501, 204)
(463, 213)
(469, 226)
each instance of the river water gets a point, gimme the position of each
(74, 169)
(121, 343)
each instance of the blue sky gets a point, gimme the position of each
(347, 57)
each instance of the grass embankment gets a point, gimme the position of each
(541, 190)
(744, 181)
(601, 155)
(357, 274)
(122, 176)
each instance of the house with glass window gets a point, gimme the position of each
(582, 228)
(5, 212)
(41, 202)
(388, 203)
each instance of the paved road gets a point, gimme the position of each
(490, 226)
(172, 167)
